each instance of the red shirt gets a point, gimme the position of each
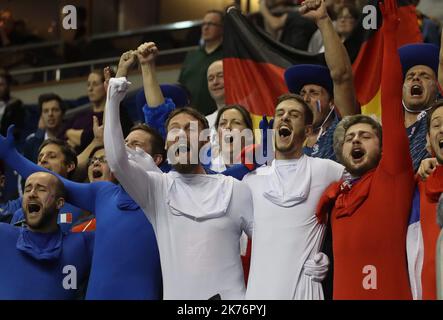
(369, 221)
(430, 191)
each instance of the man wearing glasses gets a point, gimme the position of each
(193, 73)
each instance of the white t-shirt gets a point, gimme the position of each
(198, 231)
(286, 231)
(198, 219)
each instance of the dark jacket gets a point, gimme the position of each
(14, 114)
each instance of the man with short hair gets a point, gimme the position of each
(41, 262)
(370, 210)
(216, 83)
(193, 73)
(423, 230)
(197, 218)
(51, 110)
(285, 196)
(216, 86)
(420, 91)
(56, 156)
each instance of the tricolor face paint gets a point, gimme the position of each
(318, 99)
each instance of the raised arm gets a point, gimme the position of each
(13, 158)
(83, 158)
(127, 60)
(81, 195)
(336, 57)
(396, 157)
(146, 54)
(134, 179)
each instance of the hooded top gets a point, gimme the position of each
(40, 266)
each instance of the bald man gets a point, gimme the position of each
(40, 261)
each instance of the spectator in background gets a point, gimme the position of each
(216, 87)
(51, 109)
(14, 32)
(347, 17)
(11, 112)
(229, 125)
(79, 130)
(336, 9)
(346, 20)
(11, 109)
(283, 23)
(193, 73)
(429, 27)
(6, 27)
(20, 34)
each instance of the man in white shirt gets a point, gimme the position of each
(285, 261)
(197, 218)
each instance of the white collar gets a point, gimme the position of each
(199, 196)
(289, 182)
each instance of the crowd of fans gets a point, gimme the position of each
(98, 189)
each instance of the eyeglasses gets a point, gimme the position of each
(101, 160)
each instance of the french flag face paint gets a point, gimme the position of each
(65, 218)
(318, 106)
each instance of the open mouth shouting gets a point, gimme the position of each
(284, 133)
(440, 145)
(97, 173)
(33, 208)
(416, 90)
(357, 155)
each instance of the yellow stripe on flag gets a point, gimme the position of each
(373, 108)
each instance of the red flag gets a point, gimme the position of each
(369, 55)
(254, 63)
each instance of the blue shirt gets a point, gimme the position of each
(10, 207)
(417, 140)
(126, 262)
(33, 265)
(324, 147)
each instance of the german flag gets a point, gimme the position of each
(365, 48)
(254, 64)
